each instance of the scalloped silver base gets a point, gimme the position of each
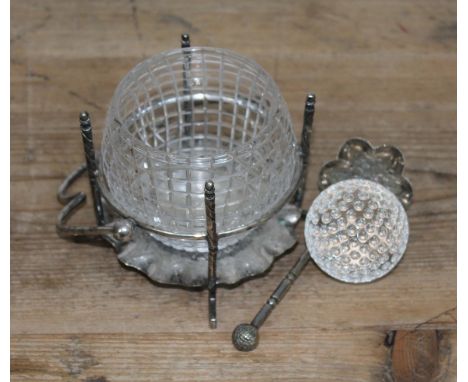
(251, 256)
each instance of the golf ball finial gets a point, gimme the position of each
(245, 337)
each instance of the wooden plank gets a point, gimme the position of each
(295, 355)
(357, 356)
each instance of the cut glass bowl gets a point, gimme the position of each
(189, 115)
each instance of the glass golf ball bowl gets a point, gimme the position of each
(356, 231)
(186, 116)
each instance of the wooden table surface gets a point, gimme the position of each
(382, 70)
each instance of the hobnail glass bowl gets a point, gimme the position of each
(189, 115)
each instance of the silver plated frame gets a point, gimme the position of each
(118, 228)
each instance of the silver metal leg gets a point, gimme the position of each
(212, 239)
(309, 111)
(87, 135)
(187, 105)
(245, 336)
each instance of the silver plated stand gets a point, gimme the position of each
(132, 241)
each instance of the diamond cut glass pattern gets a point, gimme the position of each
(356, 230)
(189, 115)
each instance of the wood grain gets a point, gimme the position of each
(422, 355)
(415, 356)
(382, 70)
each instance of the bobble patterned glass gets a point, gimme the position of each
(189, 115)
(356, 231)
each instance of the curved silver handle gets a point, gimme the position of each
(116, 232)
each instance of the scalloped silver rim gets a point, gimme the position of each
(405, 195)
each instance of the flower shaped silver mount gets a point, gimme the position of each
(199, 181)
(356, 230)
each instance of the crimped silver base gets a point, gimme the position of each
(251, 256)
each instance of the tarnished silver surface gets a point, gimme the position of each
(245, 337)
(91, 165)
(358, 159)
(289, 215)
(212, 239)
(250, 257)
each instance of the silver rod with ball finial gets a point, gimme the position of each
(187, 106)
(309, 111)
(212, 239)
(87, 135)
(245, 337)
